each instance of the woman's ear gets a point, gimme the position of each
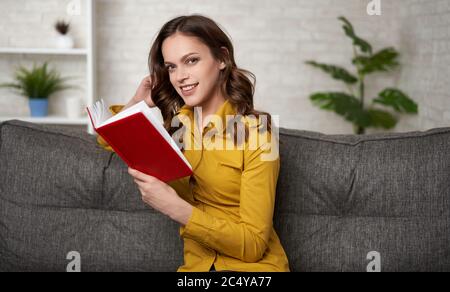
(226, 55)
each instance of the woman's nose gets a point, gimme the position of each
(182, 74)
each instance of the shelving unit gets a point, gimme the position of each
(88, 54)
(43, 51)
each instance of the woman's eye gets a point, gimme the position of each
(192, 61)
(169, 68)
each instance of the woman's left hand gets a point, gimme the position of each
(162, 197)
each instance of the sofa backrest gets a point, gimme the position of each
(353, 203)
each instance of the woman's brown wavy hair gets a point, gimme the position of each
(234, 82)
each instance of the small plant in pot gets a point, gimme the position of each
(64, 40)
(37, 84)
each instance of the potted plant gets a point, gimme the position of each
(351, 104)
(37, 84)
(64, 40)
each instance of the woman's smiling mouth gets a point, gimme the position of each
(188, 89)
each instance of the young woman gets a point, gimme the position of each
(226, 207)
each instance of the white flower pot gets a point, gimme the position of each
(64, 42)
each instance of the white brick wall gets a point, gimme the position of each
(272, 39)
(424, 40)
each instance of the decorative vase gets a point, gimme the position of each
(38, 107)
(64, 41)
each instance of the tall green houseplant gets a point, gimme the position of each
(351, 104)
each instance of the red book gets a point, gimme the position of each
(141, 140)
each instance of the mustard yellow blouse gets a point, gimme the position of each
(233, 194)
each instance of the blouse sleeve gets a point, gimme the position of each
(114, 109)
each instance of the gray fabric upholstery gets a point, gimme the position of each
(57, 195)
(338, 198)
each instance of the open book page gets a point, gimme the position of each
(103, 117)
(99, 113)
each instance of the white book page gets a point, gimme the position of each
(99, 113)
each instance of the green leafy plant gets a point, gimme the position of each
(39, 82)
(350, 105)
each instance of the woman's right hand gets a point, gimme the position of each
(144, 92)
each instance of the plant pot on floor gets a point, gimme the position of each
(38, 107)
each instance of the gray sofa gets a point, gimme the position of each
(339, 198)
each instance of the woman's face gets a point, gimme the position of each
(193, 71)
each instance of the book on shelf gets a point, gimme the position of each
(141, 140)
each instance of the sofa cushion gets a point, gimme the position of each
(48, 166)
(53, 201)
(120, 190)
(340, 197)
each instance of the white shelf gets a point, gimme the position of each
(57, 120)
(90, 68)
(44, 51)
